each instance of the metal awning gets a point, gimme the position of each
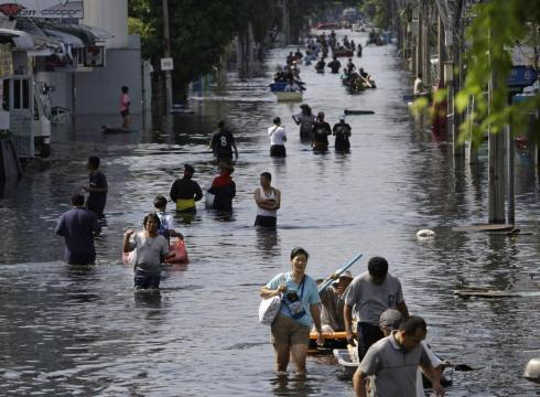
(89, 35)
(18, 38)
(65, 38)
(43, 44)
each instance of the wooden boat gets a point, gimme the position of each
(279, 87)
(289, 96)
(332, 340)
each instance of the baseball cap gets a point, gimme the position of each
(346, 274)
(390, 318)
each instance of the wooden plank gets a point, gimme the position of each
(481, 293)
(496, 227)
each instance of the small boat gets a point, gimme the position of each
(289, 96)
(347, 361)
(279, 89)
(332, 340)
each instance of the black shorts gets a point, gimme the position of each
(124, 113)
(367, 335)
(265, 221)
(146, 280)
(278, 151)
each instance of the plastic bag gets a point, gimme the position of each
(269, 309)
(209, 200)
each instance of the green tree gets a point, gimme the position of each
(200, 31)
(496, 29)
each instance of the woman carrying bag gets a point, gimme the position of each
(299, 310)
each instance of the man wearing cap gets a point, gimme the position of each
(332, 304)
(370, 294)
(185, 192)
(342, 132)
(393, 362)
(389, 322)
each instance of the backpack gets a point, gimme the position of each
(164, 226)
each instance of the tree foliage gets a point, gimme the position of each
(496, 28)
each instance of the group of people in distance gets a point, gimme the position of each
(388, 340)
(316, 129)
(346, 49)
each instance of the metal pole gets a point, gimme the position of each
(167, 38)
(496, 154)
(511, 209)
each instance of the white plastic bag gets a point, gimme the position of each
(268, 309)
(209, 200)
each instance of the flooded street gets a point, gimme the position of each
(76, 331)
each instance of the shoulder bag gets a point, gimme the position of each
(269, 308)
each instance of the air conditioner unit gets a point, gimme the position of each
(94, 56)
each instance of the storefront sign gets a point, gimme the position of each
(43, 8)
(167, 64)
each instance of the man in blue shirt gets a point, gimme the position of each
(78, 227)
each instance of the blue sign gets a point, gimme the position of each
(521, 76)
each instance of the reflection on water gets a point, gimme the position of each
(84, 330)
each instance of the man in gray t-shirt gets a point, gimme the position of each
(370, 294)
(393, 361)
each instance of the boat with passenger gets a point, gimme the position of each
(286, 92)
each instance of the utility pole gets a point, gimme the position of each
(168, 77)
(496, 143)
(511, 206)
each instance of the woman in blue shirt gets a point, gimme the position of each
(299, 310)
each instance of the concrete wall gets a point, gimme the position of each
(61, 96)
(111, 15)
(98, 92)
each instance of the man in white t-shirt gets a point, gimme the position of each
(418, 88)
(278, 137)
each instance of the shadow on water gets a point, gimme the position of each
(295, 385)
(148, 299)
